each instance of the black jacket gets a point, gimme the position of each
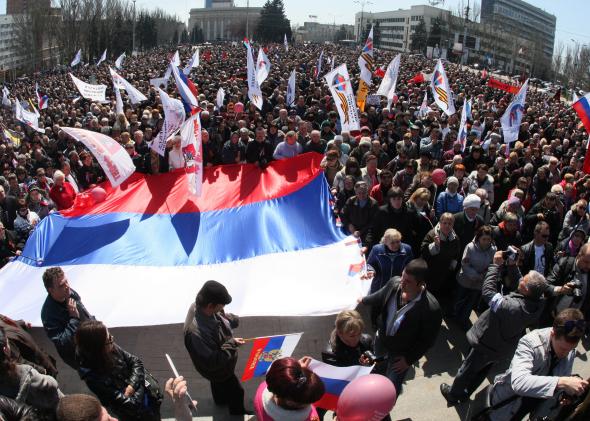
(419, 328)
(403, 220)
(12, 410)
(528, 264)
(260, 152)
(109, 386)
(361, 218)
(341, 355)
(61, 328)
(210, 344)
(466, 229)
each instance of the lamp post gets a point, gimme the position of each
(133, 36)
(362, 3)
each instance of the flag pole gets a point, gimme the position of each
(271, 336)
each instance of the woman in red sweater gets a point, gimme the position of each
(62, 193)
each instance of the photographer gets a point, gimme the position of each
(497, 331)
(570, 280)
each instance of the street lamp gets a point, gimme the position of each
(363, 3)
(133, 37)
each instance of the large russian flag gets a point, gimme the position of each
(335, 379)
(139, 257)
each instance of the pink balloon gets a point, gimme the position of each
(98, 194)
(367, 398)
(239, 107)
(439, 176)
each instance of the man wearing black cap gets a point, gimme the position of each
(209, 340)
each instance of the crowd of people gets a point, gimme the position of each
(492, 230)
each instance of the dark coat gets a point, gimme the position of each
(386, 217)
(466, 229)
(61, 328)
(360, 217)
(109, 386)
(502, 240)
(528, 263)
(419, 328)
(210, 344)
(439, 265)
(9, 246)
(341, 355)
(500, 327)
(260, 152)
(551, 216)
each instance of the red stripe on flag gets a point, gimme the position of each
(257, 348)
(328, 402)
(582, 108)
(586, 167)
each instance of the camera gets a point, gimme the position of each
(372, 357)
(577, 289)
(510, 254)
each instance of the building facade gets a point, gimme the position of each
(322, 32)
(518, 17)
(14, 7)
(486, 43)
(222, 21)
(10, 56)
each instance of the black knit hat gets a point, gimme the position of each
(213, 292)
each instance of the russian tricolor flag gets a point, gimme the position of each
(335, 379)
(582, 107)
(186, 89)
(42, 100)
(140, 256)
(266, 350)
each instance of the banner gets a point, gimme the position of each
(512, 117)
(119, 61)
(366, 62)
(291, 88)
(389, 82)
(266, 350)
(338, 81)
(174, 116)
(263, 67)
(134, 95)
(374, 100)
(462, 136)
(219, 98)
(190, 133)
(361, 95)
(88, 91)
(254, 92)
(29, 118)
(77, 59)
(111, 156)
(441, 90)
(496, 84)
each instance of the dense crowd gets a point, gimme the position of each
(499, 230)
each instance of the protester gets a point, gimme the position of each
(118, 378)
(62, 313)
(209, 340)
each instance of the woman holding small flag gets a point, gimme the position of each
(289, 391)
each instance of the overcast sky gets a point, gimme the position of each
(572, 15)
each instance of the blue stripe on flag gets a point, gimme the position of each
(266, 359)
(334, 386)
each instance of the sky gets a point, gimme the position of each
(572, 26)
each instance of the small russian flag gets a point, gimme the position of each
(582, 107)
(335, 379)
(266, 350)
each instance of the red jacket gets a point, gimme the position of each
(63, 196)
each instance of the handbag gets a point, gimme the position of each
(481, 407)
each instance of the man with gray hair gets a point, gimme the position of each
(496, 333)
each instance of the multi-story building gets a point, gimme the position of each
(321, 32)
(222, 20)
(486, 43)
(527, 21)
(10, 56)
(15, 7)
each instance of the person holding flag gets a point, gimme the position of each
(212, 347)
(289, 392)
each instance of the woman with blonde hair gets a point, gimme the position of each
(388, 258)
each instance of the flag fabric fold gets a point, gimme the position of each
(263, 67)
(77, 59)
(102, 58)
(134, 95)
(186, 89)
(285, 43)
(366, 61)
(582, 108)
(318, 67)
(219, 98)
(291, 88)
(119, 61)
(174, 116)
(191, 143)
(465, 114)
(265, 350)
(42, 100)
(88, 91)
(194, 62)
(389, 82)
